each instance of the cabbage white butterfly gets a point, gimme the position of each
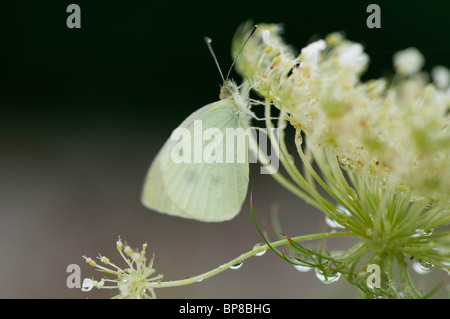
(208, 191)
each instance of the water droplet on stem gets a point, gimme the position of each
(236, 266)
(423, 267)
(258, 246)
(327, 277)
(302, 268)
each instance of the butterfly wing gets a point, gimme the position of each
(204, 191)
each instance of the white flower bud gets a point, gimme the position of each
(408, 61)
(441, 77)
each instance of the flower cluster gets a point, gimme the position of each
(133, 282)
(380, 147)
(396, 129)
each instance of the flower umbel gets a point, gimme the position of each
(133, 282)
(379, 149)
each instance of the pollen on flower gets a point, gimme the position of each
(144, 247)
(333, 38)
(119, 245)
(276, 60)
(91, 262)
(136, 257)
(128, 251)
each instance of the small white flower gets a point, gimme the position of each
(136, 257)
(441, 77)
(127, 250)
(265, 37)
(311, 56)
(134, 281)
(408, 61)
(354, 57)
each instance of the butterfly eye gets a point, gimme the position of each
(232, 88)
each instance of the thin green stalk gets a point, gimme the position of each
(241, 258)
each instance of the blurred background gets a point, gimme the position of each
(84, 112)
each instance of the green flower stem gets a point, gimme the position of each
(350, 223)
(407, 284)
(241, 258)
(345, 190)
(357, 251)
(283, 180)
(311, 195)
(306, 196)
(425, 219)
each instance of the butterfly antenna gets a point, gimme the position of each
(242, 48)
(208, 43)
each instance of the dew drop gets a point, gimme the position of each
(425, 232)
(415, 198)
(352, 194)
(298, 139)
(258, 246)
(332, 223)
(341, 210)
(236, 266)
(331, 276)
(423, 267)
(302, 268)
(142, 294)
(87, 285)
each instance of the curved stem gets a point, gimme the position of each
(240, 259)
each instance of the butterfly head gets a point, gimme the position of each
(228, 90)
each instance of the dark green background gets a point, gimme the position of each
(140, 60)
(84, 111)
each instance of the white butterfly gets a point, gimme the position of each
(205, 191)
